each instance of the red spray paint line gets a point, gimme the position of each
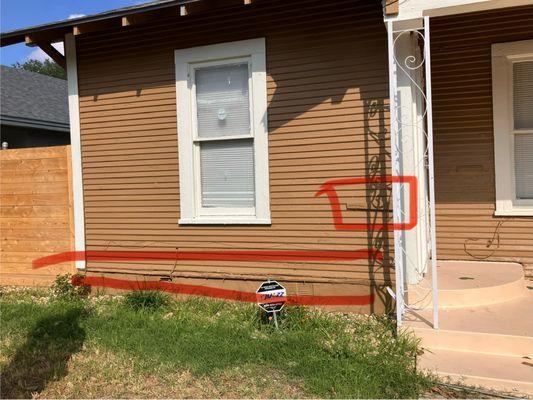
(218, 293)
(329, 188)
(225, 255)
(198, 290)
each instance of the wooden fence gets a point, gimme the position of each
(35, 213)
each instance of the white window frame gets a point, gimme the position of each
(186, 60)
(503, 57)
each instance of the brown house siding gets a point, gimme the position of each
(464, 152)
(327, 90)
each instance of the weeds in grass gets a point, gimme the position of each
(332, 355)
(63, 289)
(147, 300)
(289, 318)
(314, 353)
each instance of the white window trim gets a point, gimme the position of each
(190, 207)
(503, 56)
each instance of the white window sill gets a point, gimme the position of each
(224, 221)
(516, 212)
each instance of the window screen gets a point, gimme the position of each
(222, 101)
(523, 154)
(227, 173)
(523, 95)
(223, 111)
(523, 119)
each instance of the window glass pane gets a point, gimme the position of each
(227, 173)
(223, 107)
(523, 94)
(523, 155)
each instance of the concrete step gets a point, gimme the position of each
(510, 374)
(486, 325)
(500, 329)
(470, 284)
(483, 343)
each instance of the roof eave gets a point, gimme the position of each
(34, 123)
(56, 31)
(123, 17)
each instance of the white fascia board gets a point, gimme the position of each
(415, 9)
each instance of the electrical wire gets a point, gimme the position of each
(495, 237)
(229, 245)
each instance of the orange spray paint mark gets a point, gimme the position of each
(329, 188)
(218, 293)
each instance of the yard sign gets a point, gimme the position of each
(271, 296)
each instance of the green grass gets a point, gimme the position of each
(146, 300)
(52, 347)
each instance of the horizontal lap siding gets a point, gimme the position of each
(35, 213)
(464, 145)
(327, 90)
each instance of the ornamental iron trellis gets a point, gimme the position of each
(406, 66)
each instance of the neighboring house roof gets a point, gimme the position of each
(32, 99)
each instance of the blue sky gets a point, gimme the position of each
(16, 14)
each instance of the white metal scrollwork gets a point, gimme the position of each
(407, 66)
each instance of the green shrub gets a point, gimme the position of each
(62, 288)
(147, 300)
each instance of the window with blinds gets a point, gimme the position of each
(523, 95)
(227, 173)
(223, 118)
(523, 157)
(222, 133)
(222, 101)
(512, 107)
(523, 128)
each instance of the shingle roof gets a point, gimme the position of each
(34, 98)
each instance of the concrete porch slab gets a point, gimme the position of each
(465, 283)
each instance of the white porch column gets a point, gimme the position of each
(75, 146)
(412, 154)
(411, 147)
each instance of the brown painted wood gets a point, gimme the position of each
(461, 62)
(392, 7)
(95, 26)
(327, 85)
(53, 53)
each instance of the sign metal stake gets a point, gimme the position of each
(275, 319)
(274, 313)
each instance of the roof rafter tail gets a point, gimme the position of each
(122, 17)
